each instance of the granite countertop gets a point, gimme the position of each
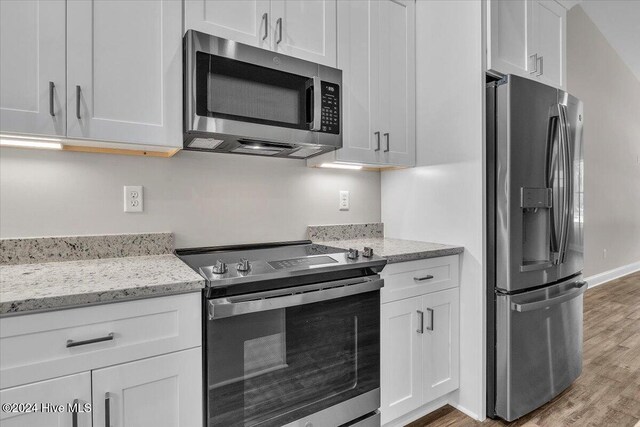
(396, 250)
(53, 285)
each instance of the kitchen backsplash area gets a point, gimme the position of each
(203, 198)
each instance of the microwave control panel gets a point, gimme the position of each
(330, 120)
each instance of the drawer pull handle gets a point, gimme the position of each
(423, 278)
(72, 343)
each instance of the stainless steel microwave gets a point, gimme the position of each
(245, 100)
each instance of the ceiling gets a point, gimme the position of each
(619, 22)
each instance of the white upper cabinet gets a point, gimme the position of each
(397, 82)
(507, 37)
(376, 53)
(547, 41)
(32, 67)
(305, 29)
(243, 21)
(124, 71)
(358, 57)
(527, 38)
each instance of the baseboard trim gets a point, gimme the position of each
(418, 413)
(607, 276)
(466, 411)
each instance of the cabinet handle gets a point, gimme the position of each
(420, 329)
(386, 150)
(78, 93)
(265, 21)
(107, 409)
(377, 134)
(74, 414)
(541, 72)
(533, 58)
(279, 27)
(423, 278)
(72, 343)
(430, 327)
(52, 88)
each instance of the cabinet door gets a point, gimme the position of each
(124, 71)
(441, 344)
(547, 38)
(401, 357)
(507, 44)
(305, 29)
(32, 67)
(243, 21)
(160, 391)
(358, 58)
(397, 81)
(65, 391)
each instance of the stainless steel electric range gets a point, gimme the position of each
(291, 334)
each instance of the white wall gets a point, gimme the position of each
(204, 198)
(611, 96)
(441, 200)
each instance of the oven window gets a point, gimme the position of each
(231, 89)
(273, 367)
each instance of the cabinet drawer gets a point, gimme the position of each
(38, 346)
(413, 278)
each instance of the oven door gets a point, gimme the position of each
(279, 357)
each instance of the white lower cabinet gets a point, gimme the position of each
(59, 395)
(160, 391)
(419, 339)
(401, 358)
(135, 363)
(441, 343)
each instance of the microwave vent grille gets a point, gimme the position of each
(205, 143)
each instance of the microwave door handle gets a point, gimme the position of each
(317, 104)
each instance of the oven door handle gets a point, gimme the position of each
(290, 297)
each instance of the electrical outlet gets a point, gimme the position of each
(133, 198)
(344, 200)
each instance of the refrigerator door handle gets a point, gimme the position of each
(552, 160)
(579, 289)
(567, 173)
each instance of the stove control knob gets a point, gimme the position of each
(243, 265)
(220, 267)
(352, 254)
(367, 252)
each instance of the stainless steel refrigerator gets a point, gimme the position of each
(535, 244)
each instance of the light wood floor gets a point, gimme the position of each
(608, 391)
